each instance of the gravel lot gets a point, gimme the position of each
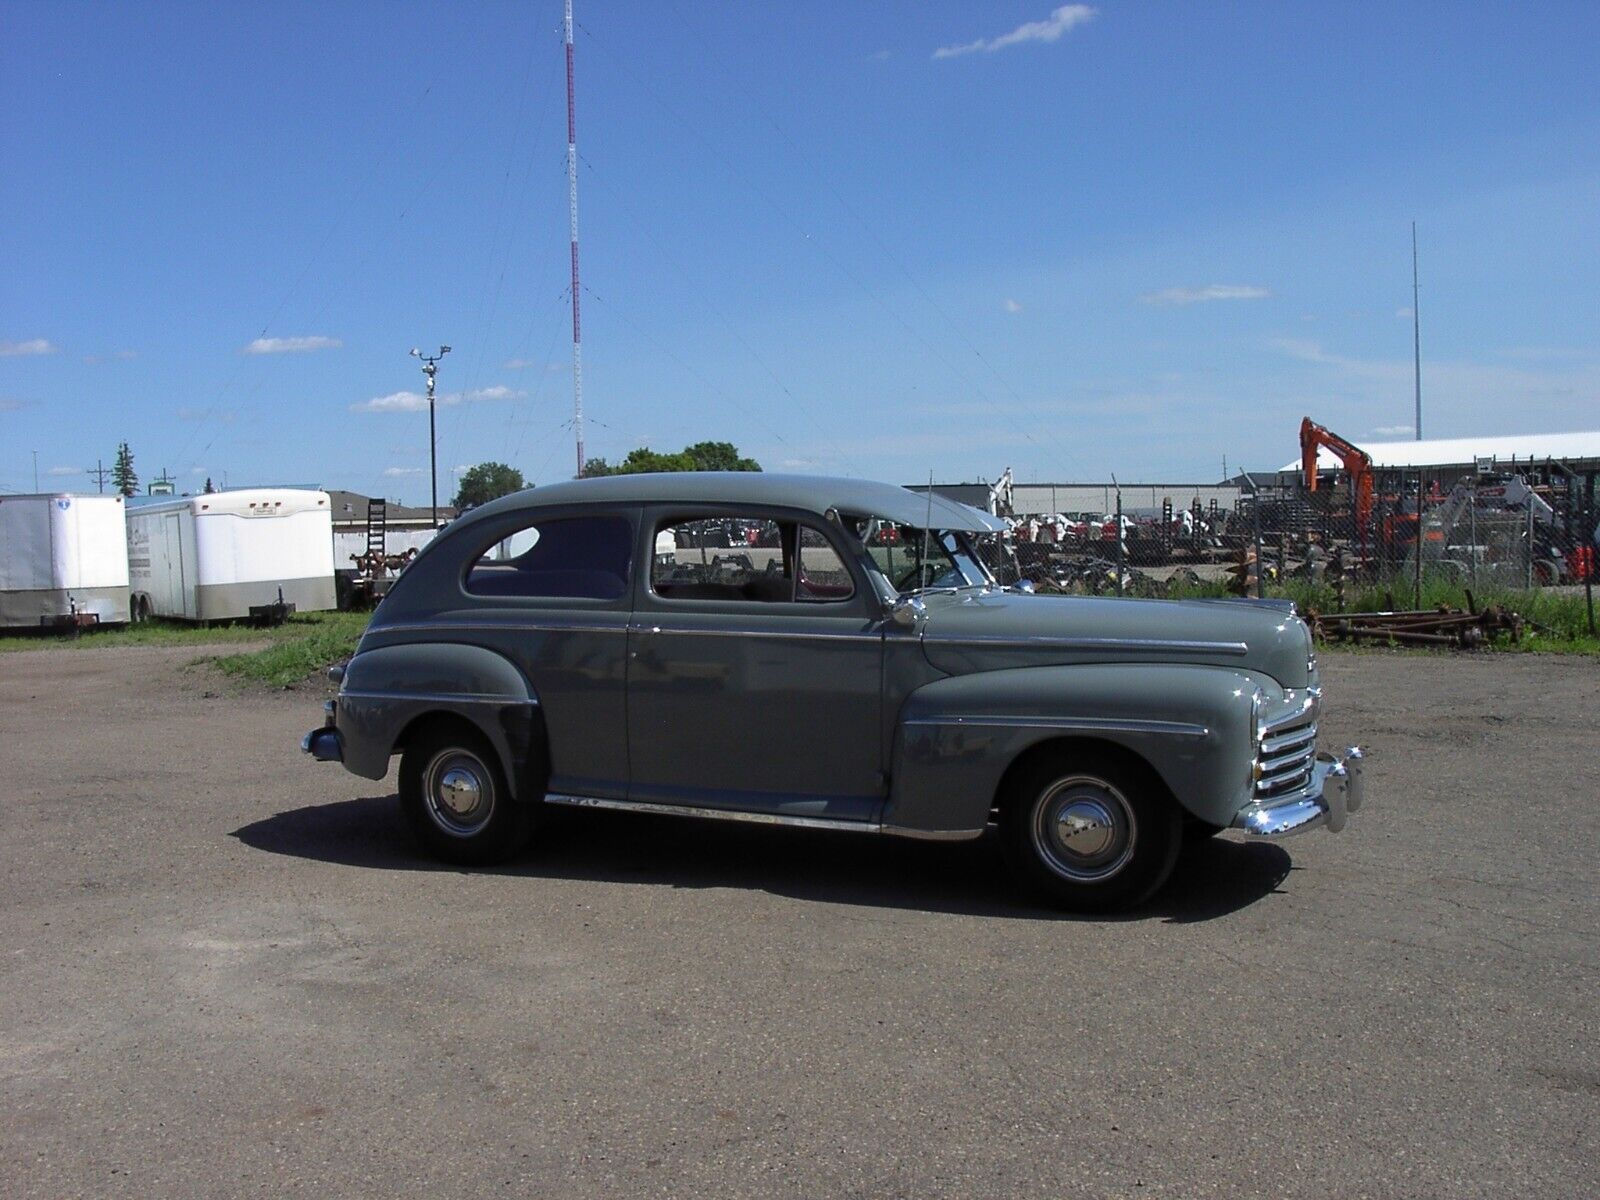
(225, 972)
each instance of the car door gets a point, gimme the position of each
(754, 667)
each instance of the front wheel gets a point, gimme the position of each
(456, 800)
(1090, 834)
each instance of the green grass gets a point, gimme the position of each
(302, 646)
(309, 645)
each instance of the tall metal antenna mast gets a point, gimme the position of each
(1416, 327)
(572, 204)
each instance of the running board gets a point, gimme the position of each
(757, 818)
(715, 814)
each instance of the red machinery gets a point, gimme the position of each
(1355, 461)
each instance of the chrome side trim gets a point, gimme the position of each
(1091, 643)
(1081, 724)
(784, 635)
(481, 626)
(441, 697)
(714, 814)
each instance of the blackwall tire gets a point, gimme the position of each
(1090, 833)
(456, 799)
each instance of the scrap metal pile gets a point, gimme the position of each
(1440, 626)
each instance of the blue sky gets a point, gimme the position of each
(872, 240)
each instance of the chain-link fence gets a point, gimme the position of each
(1400, 540)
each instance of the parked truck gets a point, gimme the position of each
(63, 561)
(250, 554)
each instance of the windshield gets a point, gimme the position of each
(910, 561)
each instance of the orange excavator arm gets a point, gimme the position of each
(1355, 460)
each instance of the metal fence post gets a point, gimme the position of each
(1119, 541)
(1528, 580)
(1255, 516)
(1590, 553)
(1417, 545)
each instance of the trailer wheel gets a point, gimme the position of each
(456, 798)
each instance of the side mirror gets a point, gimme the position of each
(908, 611)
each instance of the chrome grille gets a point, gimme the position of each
(1284, 760)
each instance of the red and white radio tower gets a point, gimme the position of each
(572, 184)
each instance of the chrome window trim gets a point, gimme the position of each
(1088, 643)
(1079, 724)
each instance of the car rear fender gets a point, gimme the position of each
(391, 691)
(956, 737)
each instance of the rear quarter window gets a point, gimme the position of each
(587, 558)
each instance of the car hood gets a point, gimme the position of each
(994, 630)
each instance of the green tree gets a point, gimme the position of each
(485, 482)
(702, 456)
(719, 456)
(123, 475)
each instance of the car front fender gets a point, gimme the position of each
(956, 737)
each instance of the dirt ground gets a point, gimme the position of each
(225, 971)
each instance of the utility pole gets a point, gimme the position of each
(572, 205)
(430, 368)
(36, 470)
(1416, 330)
(100, 472)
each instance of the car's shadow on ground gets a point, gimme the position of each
(1213, 878)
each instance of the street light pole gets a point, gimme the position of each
(430, 368)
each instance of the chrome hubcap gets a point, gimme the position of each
(459, 792)
(1084, 829)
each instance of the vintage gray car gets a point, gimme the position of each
(825, 653)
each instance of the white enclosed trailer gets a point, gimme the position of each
(230, 555)
(63, 556)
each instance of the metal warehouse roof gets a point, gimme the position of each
(1464, 452)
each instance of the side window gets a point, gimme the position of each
(822, 575)
(723, 558)
(566, 557)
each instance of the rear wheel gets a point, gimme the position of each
(1091, 833)
(456, 799)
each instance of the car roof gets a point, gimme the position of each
(814, 493)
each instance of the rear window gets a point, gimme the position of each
(563, 558)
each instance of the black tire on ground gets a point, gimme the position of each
(454, 794)
(1546, 572)
(1090, 831)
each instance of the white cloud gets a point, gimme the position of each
(291, 345)
(7, 405)
(1067, 17)
(1012, 306)
(1215, 291)
(66, 471)
(95, 360)
(518, 364)
(1402, 314)
(1302, 348)
(31, 346)
(418, 401)
(197, 470)
(1393, 431)
(399, 472)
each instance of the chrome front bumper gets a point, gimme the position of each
(1335, 791)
